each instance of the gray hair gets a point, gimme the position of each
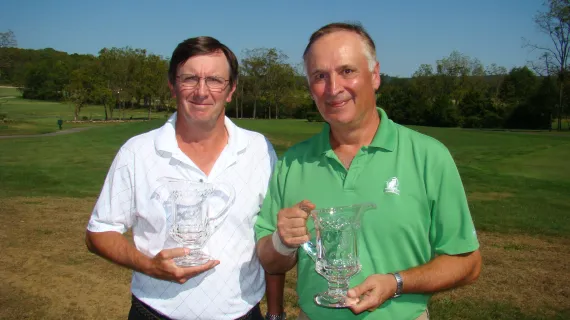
(367, 42)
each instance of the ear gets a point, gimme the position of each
(376, 76)
(172, 91)
(231, 93)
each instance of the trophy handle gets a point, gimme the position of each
(231, 195)
(310, 249)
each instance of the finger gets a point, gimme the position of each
(292, 222)
(306, 206)
(193, 271)
(367, 302)
(294, 212)
(361, 289)
(297, 241)
(294, 232)
(172, 253)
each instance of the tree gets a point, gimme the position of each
(555, 23)
(8, 39)
(113, 68)
(517, 86)
(79, 89)
(254, 69)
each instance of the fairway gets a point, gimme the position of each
(518, 185)
(26, 117)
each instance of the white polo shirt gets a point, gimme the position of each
(237, 284)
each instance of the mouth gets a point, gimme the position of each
(200, 104)
(337, 104)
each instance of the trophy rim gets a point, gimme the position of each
(332, 210)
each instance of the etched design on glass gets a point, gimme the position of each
(335, 251)
(198, 209)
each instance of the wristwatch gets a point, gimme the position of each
(399, 284)
(269, 316)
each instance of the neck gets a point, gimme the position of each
(357, 134)
(205, 134)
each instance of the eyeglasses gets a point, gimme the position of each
(213, 83)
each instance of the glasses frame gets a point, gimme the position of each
(227, 81)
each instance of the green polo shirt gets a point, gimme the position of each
(421, 209)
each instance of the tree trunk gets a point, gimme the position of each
(75, 112)
(560, 106)
(111, 110)
(105, 107)
(254, 107)
(149, 107)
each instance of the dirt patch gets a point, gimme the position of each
(526, 272)
(488, 196)
(47, 273)
(46, 270)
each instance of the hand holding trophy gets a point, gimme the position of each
(198, 209)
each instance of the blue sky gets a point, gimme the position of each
(406, 33)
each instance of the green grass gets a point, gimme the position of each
(9, 92)
(565, 123)
(70, 165)
(518, 182)
(27, 117)
(531, 169)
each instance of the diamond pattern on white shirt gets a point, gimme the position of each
(233, 287)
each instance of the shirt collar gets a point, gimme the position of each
(166, 137)
(385, 137)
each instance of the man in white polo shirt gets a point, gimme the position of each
(198, 143)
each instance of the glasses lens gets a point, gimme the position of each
(189, 81)
(215, 82)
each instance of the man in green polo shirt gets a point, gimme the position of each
(419, 240)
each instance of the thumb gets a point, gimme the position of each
(306, 206)
(173, 253)
(360, 289)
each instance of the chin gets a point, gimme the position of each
(339, 117)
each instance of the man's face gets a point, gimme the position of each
(340, 80)
(202, 88)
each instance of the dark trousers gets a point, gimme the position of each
(141, 311)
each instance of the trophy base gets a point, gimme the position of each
(330, 301)
(193, 259)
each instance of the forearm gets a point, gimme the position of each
(272, 261)
(442, 273)
(115, 247)
(274, 287)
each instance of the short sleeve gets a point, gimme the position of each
(115, 206)
(452, 230)
(266, 222)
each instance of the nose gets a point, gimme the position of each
(202, 89)
(334, 85)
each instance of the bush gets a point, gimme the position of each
(84, 118)
(3, 116)
(314, 116)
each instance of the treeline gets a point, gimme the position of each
(119, 78)
(456, 91)
(461, 92)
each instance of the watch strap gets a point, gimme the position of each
(399, 284)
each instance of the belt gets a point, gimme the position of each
(151, 314)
